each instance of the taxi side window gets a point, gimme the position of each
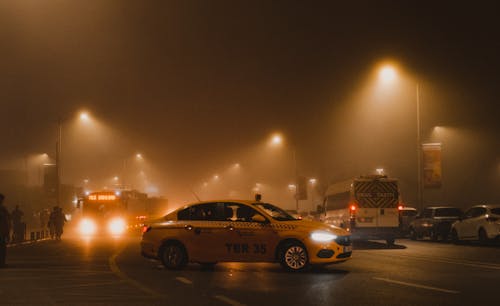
(203, 212)
(239, 212)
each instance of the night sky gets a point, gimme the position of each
(198, 85)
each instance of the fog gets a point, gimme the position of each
(197, 88)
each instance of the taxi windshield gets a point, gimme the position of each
(275, 212)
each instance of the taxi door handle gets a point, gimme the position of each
(188, 227)
(229, 227)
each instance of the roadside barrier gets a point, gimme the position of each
(29, 234)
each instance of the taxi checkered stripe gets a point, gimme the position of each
(220, 224)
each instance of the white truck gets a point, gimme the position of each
(366, 206)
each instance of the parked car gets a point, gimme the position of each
(434, 222)
(406, 216)
(480, 222)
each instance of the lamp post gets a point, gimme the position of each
(419, 152)
(313, 183)
(58, 161)
(83, 117)
(137, 157)
(387, 74)
(277, 140)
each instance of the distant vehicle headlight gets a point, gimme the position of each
(117, 226)
(87, 227)
(323, 236)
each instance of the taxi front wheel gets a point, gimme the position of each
(173, 256)
(293, 256)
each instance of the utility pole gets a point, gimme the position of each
(419, 154)
(58, 162)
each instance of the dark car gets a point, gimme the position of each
(434, 222)
(406, 217)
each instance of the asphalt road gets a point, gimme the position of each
(112, 272)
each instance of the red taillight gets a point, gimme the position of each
(146, 229)
(352, 208)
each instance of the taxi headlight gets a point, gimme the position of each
(87, 227)
(323, 236)
(117, 226)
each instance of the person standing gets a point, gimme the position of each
(52, 222)
(59, 221)
(17, 225)
(4, 231)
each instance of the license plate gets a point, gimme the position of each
(347, 248)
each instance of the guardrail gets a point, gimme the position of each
(27, 233)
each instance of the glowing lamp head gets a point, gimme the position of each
(352, 208)
(387, 74)
(400, 207)
(84, 116)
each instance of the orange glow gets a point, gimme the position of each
(400, 207)
(102, 197)
(353, 208)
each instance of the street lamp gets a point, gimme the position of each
(313, 182)
(387, 74)
(138, 157)
(84, 117)
(277, 140)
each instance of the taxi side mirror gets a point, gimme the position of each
(259, 218)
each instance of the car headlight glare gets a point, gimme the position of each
(87, 227)
(323, 236)
(117, 226)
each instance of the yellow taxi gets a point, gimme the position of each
(242, 231)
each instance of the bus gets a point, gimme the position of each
(367, 206)
(103, 212)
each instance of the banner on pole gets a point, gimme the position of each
(431, 154)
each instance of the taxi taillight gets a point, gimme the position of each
(146, 229)
(352, 208)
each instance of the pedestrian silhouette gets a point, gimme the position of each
(52, 222)
(17, 225)
(4, 231)
(59, 220)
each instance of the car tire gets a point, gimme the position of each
(293, 257)
(173, 256)
(483, 237)
(434, 235)
(413, 234)
(454, 236)
(445, 236)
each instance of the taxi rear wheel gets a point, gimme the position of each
(173, 256)
(294, 257)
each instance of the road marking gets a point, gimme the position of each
(120, 274)
(184, 280)
(227, 300)
(475, 264)
(416, 285)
